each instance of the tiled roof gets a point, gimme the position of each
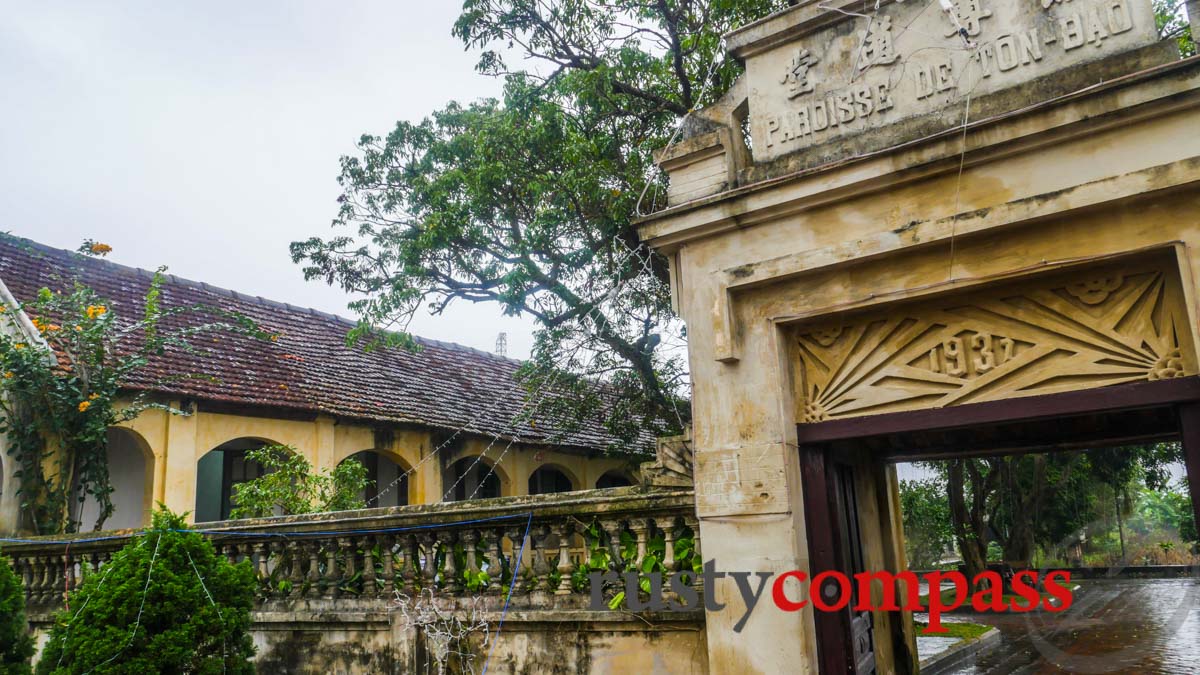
(309, 367)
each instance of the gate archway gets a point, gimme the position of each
(1127, 414)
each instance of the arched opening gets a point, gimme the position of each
(219, 470)
(389, 479)
(549, 480)
(471, 478)
(130, 473)
(613, 479)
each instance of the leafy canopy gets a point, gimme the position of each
(1172, 23)
(529, 201)
(165, 603)
(928, 533)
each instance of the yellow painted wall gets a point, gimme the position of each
(176, 443)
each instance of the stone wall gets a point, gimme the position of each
(332, 585)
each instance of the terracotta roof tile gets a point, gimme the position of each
(310, 367)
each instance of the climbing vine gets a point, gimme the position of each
(64, 356)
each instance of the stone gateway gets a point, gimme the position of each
(922, 229)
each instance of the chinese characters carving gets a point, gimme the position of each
(796, 78)
(878, 49)
(970, 14)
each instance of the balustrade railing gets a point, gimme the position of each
(472, 548)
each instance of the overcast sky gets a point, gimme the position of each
(205, 136)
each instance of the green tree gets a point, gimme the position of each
(530, 201)
(1023, 502)
(62, 375)
(1172, 23)
(165, 603)
(16, 645)
(928, 532)
(1120, 468)
(290, 486)
(1167, 509)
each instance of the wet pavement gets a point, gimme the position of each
(1113, 626)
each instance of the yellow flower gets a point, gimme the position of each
(37, 323)
(94, 311)
(84, 405)
(3, 309)
(52, 327)
(8, 375)
(19, 345)
(79, 328)
(100, 249)
(93, 397)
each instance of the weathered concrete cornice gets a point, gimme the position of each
(609, 501)
(1151, 93)
(614, 501)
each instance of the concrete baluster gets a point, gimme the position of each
(370, 589)
(428, 572)
(314, 569)
(469, 540)
(564, 530)
(387, 545)
(452, 579)
(613, 529)
(517, 566)
(541, 566)
(261, 557)
(493, 555)
(411, 565)
(333, 575)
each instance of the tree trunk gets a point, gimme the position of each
(1120, 524)
(67, 517)
(970, 541)
(1018, 549)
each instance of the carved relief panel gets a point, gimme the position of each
(1090, 328)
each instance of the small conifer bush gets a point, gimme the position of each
(166, 603)
(16, 645)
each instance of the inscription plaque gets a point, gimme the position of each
(875, 67)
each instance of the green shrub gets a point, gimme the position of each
(16, 645)
(147, 611)
(290, 486)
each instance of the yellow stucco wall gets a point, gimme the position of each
(174, 444)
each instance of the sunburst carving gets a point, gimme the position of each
(1095, 329)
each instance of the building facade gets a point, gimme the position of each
(443, 422)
